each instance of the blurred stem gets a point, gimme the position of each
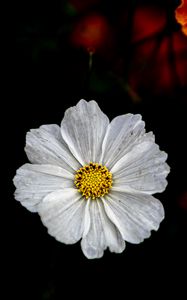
(90, 60)
(89, 69)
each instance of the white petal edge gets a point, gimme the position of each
(65, 215)
(83, 129)
(122, 133)
(143, 169)
(45, 145)
(34, 182)
(134, 215)
(93, 244)
(102, 233)
(113, 237)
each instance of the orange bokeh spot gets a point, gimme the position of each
(184, 29)
(181, 15)
(91, 32)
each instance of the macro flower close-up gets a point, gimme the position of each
(92, 180)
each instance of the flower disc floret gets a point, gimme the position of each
(93, 180)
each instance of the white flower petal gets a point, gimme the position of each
(143, 169)
(102, 233)
(122, 133)
(94, 244)
(63, 212)
(34, 182)
(113, 237)
(134, 215)
(45, 145)
(83, 129)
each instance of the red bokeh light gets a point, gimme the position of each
(182, 200)
(92, 33)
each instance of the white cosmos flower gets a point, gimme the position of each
(92, 180)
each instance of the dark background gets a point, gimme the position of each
(50, 73)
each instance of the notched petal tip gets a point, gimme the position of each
(134, 215)
(91, 252)
(63, 213)
(45, 145)
(83, 129)
(33, 182)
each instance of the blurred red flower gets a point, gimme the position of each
(147, 21)
(158, 57)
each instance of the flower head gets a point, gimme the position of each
(93, 180)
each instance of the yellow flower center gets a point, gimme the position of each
(93, 180)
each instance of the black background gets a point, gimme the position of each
(50, 75)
